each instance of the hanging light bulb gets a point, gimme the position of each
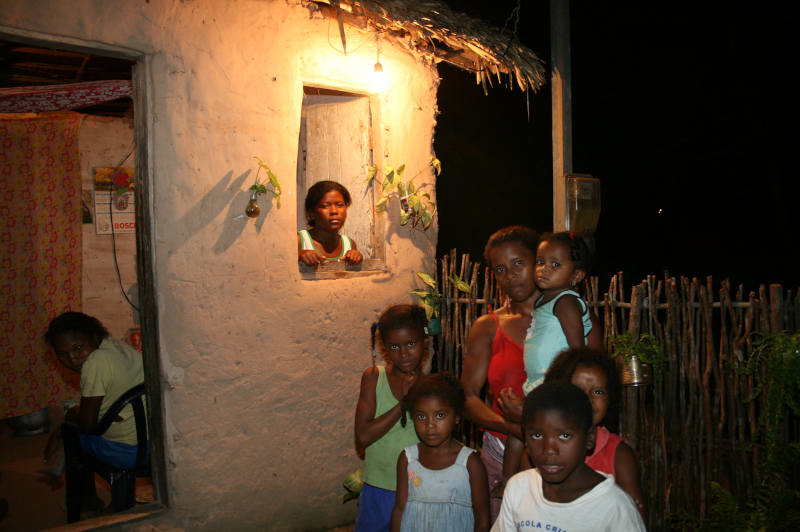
(379, 83)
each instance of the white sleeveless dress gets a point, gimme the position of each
(438, 499)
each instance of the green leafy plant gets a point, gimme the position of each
(430, 298)
(416, 206)
(261, 188)
(646, 348)
(352, 485)
(774, 364)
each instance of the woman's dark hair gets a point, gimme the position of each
(562, 397)
(398, 317)
(443, 386)
(579, 251)
(564, 365)
(316, 193)
(75, 322)
(513, 233)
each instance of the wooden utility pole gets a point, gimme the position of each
(560, 86)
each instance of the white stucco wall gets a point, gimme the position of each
(260, 368)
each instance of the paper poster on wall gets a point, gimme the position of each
(114, 200)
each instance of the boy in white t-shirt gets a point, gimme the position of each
(562, 493)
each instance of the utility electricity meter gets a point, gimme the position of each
(583, 203)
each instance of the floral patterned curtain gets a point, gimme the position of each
(40, 255)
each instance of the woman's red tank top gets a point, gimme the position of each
(506, 367)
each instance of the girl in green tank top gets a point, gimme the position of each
(377, 427)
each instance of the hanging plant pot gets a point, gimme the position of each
(434, 326)
(641, 359)
(253, 210)
(635, 372)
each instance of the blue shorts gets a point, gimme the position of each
(375, 507)
(120, 455)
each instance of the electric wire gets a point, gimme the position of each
(113, 236)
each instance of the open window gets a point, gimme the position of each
(337, 143)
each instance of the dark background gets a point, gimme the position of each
(686, 114)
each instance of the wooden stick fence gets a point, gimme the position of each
(693, 425)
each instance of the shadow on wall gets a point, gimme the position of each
(226, 192)
(235, 220)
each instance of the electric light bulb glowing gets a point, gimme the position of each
(379, 83)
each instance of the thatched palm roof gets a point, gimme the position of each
(432, 30)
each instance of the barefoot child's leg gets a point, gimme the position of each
(511, 462)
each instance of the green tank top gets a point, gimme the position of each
(380, 460)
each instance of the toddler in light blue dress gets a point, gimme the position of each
(441, 485)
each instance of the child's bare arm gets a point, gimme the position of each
(480, 492)
(307, 256)
(569, 313)
(86, 415)
(595, 337)
(626, 473)
(369, 428)
(401, 495)
(353, 256)
(512, 457)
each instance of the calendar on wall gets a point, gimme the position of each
(114, 202)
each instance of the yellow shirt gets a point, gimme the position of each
(110, 371)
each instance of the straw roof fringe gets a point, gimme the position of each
(432, 30)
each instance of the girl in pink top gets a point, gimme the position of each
(594, 372)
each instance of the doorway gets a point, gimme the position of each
(116, 277)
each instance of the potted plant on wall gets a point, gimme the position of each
(641, 357)
(416, 206)
(257, 188)
(431, 300)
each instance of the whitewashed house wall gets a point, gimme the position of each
(260, 369)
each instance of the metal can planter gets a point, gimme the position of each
(636, 373)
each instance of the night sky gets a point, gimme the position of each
(681, 111)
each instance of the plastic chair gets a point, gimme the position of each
(122, 481)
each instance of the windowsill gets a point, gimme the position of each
(341, 270)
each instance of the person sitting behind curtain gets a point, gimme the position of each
(108, 368)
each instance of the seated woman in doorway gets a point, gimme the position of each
(108, 368)
(326, 212)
